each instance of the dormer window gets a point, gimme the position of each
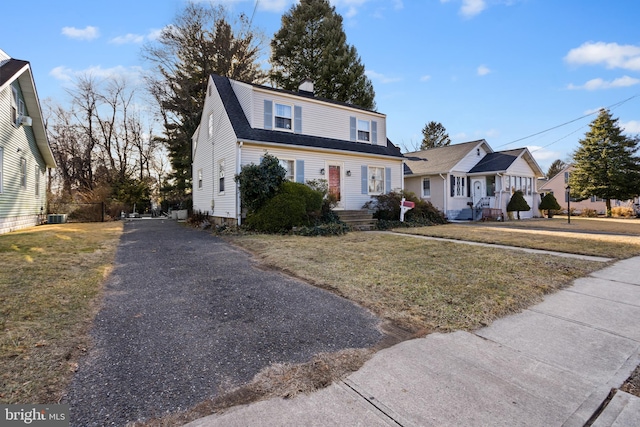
(364, 130)
(283, 117)
(14, 106)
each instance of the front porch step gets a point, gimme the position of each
(361, 220)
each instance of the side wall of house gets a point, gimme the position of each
(310, 163)
(22, 188)
(437, 189)
(216, 149)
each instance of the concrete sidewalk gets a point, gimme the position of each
(553, 364)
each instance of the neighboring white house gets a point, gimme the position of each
(313, 138)
(25, 154)
(468, 181)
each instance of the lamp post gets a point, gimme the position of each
(568, 204)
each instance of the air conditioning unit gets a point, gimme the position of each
(25, 120)
(57, 218)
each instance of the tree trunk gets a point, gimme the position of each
(608, 203)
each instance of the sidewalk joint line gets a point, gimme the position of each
(371, 403)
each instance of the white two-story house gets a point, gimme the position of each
(313, 138)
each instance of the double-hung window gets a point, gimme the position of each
(376, 180)
(283, 117)
(460, 187)
(210, 125)
(199, 178)
(37, 180)
(23, 173)
(289, 166)
(364, 133)
(14, 106)
(426, 187)
(221, 176)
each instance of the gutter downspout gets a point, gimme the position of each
(444, 187)
(238, 168)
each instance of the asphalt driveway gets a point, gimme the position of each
(185, 314)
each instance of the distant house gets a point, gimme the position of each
(558, 186)
(470, 181)
(313, 138)
(25, 154)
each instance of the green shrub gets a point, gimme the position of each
(386, 209)
(549, 204)
(294, 205)
(518, 203)
(328, 229)
(259, 183)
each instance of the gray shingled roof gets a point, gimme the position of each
(244, 131)
(440, 159)
(494, 162)
(10, 68)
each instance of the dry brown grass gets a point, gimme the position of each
(583, 236)
(420, 284)
(49, 284)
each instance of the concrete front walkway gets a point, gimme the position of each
(553, 364)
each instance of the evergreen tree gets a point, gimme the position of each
(434, 135)
(549, 204)
(311, 43)
(555, 168)
(200, 42)
(605, 164)
(518, 203)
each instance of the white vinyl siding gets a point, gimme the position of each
(318, 118)
(23, 173)
(313, 161)
(37, 180)
(222, 145)
(1, 169)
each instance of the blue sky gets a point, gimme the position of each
(496, 69)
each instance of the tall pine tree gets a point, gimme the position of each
(434, 135)
(605, 164)
(311, 43)
(200, 42)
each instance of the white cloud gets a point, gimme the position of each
(632, 126)
(132, 74)
(128, 39)
(273, 5)
(598, 84)
(425, 78)
(398, 4)
(483, 70)
(62, 73)
(88, 33)
(381, 77)
(612, 55)
(154, 34)
(471, 8)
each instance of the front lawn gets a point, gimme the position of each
(50, 281)
(419, 284)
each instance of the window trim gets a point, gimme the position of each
(23, 173)
(37, 184)
(460, 186)
(15, 114)
(210, 126)
(293, 170)
(199, 176)
(276, 116)
(360, 121)
(221, 168)
(426, 179)
(370, 180)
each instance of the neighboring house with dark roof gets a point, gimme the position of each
(313, 138)
(25, 154)
(468, 181)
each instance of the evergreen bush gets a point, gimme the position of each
(294, 205)
(518, 203)
(549, 204)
